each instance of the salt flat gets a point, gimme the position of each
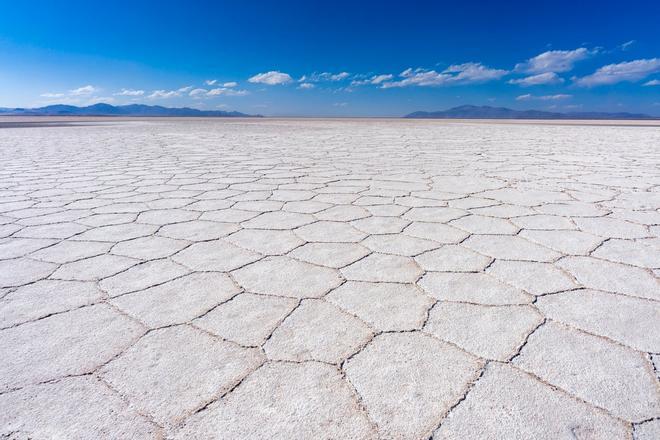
(329, 279)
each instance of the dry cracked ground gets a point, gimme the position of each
(279, 279)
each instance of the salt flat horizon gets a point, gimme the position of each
(312, 278)
(578, 122)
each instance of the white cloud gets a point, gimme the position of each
(556, 97)
(467, 73)
(213, 82)
(340, 104)
(529, 97)
(74, 95)
(474, 72)
(653, 82)
(541, 78)
(554, 61)
(271, 78)
(377, 79)
(163, 94)
(629, 71)
(226, 92)
(625, 46)
(52, 95)
(324, 76)
(418, 77)
(306, 86)
(339, 76)
(197, 92)
(361, 80)
(83, 91)
(130, 92)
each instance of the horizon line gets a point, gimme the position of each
(321, 116)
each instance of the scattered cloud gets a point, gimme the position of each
(543, 69)
(130, 92)
(339, 76)
(474, 72)
(629, 71)
(83, 91)
(625, 46)
(73, 95)
(271, 78)
(529, 97)
(555, 97)
(418, 77)
(375, 79)
(52, 95)
(324, 76)
(539, 79)
(197, 92)
(226, 91)
(163, 94)
(212, 82)
(381, 78)
(466, 73)
(554, 61)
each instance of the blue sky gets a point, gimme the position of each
(336, 58)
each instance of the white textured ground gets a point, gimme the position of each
(280, 279)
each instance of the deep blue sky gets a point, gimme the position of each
(354, 56)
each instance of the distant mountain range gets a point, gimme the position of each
(486, 112)
(118, 110)
(462, 112)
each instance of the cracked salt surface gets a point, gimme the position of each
(275, 279)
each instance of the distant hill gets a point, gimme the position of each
(118, 110)
(486, 112)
